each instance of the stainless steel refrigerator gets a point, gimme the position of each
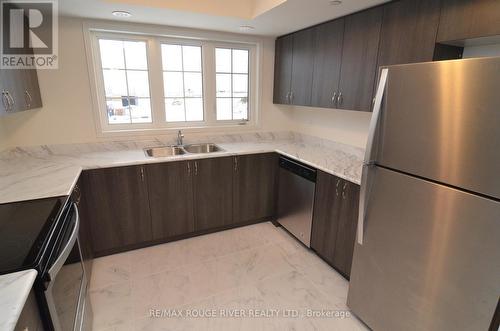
(427, 255)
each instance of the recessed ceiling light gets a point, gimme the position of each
(246, 28)
(335, 2)
(121, 13)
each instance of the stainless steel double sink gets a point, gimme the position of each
(173, 150)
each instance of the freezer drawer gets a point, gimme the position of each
(430, 257)
(440, 121)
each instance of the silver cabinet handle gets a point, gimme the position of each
(343, 190)
(5, 100)
(196, 168)
(339, 99)
(337, 187)
(11, 99)
(235, 163)
(189, 168)
(334, 97)
(368, 161)
(287, 97)
(142, 173)
(28, 98)
(291, 97)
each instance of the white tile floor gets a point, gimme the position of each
(256, 269)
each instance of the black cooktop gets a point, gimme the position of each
(25, 228)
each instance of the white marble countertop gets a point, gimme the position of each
(14, 290)
(46, 171)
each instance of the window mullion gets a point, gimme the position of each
(208, 58)
(156, 83)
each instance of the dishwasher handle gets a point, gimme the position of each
(298, 168)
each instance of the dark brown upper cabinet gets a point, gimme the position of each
(359, 59)
(282, 69)
(117, 208)
(19, 90)
(333, 64)
(302, 68)
(334, 221)
(19, 87)
(466, 19)
(329, 38)
(170, 192)
(254, 187)
(213, 192)
(408, 33)
(294, 68)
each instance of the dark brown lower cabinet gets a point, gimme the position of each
(254, 195)
(213, 192)
(117, 208)
(127, 207)
(170, 188)
(335, 220)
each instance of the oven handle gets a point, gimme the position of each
(67, 249)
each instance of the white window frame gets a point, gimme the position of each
(208, 42)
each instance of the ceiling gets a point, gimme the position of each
(268, 17)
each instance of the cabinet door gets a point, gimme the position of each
(170, 198)
(465, 19)
(118, 208)
(359, 59)
(213, 192)
(408, 32)
(254, 187)
(346, 233)
(327, 202)
(327, 61)
(282, 69)
(302, 67)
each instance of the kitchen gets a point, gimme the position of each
(312, 165)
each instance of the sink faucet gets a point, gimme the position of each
(180, 136)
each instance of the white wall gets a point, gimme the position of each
(67, 115)
(481, 51)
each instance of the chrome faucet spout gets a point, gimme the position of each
(180, 137)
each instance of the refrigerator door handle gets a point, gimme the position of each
(375, 116)
(369, 160)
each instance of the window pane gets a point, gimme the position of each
(240, 85)
(224, 109)
(140, 109)
(240, 108)
(173, 84)
(240, 61)
(223, 85)
(222, 60)
(171, 57)
(117, 111)
(135, 55)
(174, 110)
(138, 84)
(194, 109)
(111, 54)
(192, 84)
(192, 58)
(115, 84)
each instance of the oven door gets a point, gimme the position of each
(65, 293)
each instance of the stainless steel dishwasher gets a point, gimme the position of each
(297, 183)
